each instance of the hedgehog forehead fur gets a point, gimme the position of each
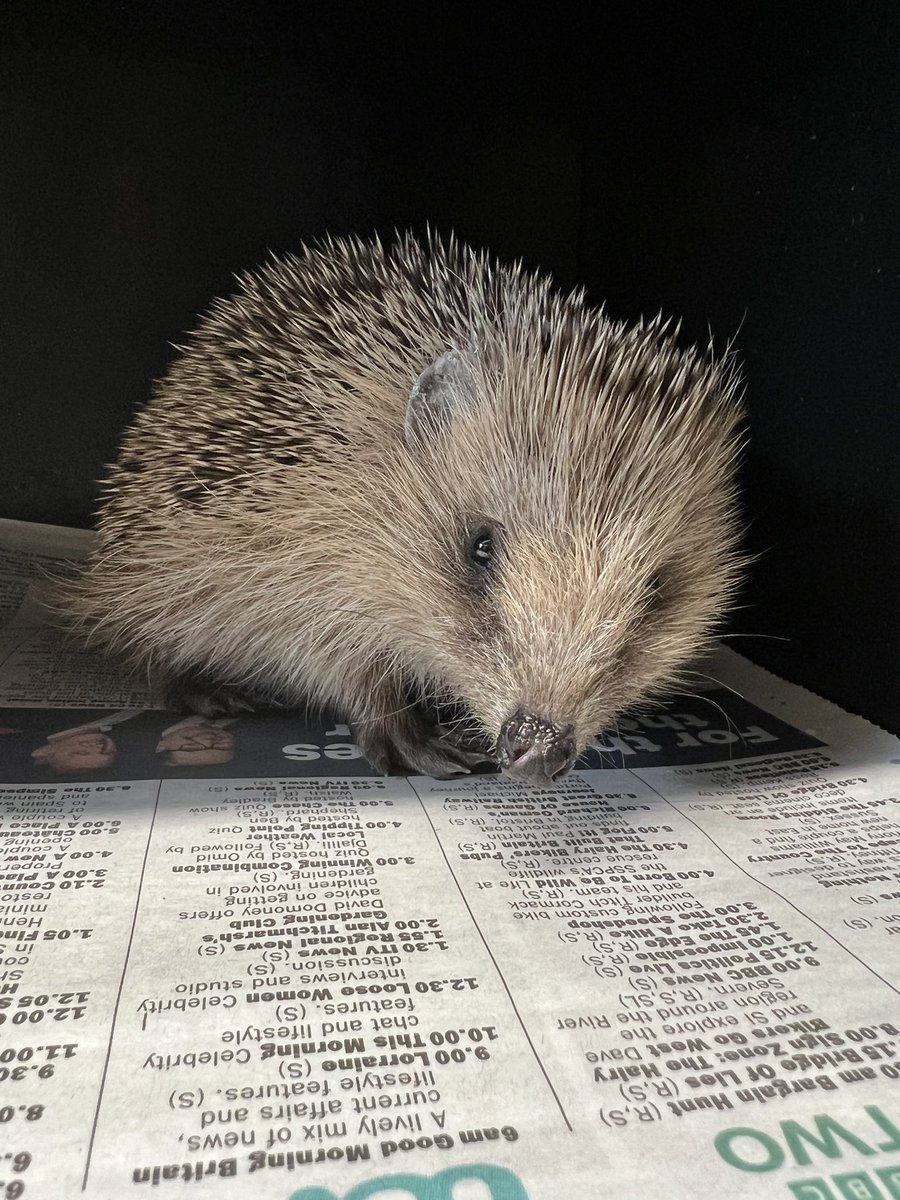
(267, 519)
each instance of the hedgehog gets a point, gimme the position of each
(396, 480)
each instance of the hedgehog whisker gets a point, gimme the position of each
(732, 728)
(718, 682)
(770, 636)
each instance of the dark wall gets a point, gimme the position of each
(736, 165)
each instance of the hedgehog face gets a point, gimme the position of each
(568, 639)
(578, 582)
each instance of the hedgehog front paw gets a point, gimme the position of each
(195, 693)
(409, 745)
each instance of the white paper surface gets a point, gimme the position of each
(676, 976)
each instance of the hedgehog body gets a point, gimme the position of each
(377, 477)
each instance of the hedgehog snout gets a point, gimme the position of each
(534, 750)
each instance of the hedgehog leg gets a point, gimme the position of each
(460, 729)
(405, 740)
(197, 692)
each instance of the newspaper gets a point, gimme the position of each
(237, 962)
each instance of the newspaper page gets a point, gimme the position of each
(234, 961)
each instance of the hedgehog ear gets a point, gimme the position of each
(447, 385)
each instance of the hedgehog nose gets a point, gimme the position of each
(534, 750)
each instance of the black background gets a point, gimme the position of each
(733, 164)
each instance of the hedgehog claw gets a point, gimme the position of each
(409, 749)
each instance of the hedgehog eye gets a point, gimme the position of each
(654, 586)
(481, 549)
